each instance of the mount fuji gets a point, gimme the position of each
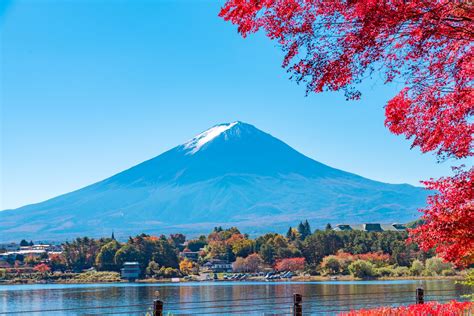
(231, 174)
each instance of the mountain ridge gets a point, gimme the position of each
(230, 174)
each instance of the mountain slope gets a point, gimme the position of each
(230, 174)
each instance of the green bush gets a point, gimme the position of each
(168, 272)
(95, 277)
(417, 267)
(312, 269)
(3, 274)
(448, 272)
(152, 269)
(330, 266)
(401, 272)
(436, 265)
(362, 269)
(384, 271)
(469, 281)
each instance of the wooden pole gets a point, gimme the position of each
(297, 307)
(420, 296)
(157, 308)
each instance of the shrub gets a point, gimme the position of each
(436, 265)
(417, 267)
(448, 272)
(96, 277)
(152, 269)
(187, 267)
(362, 269)
(384, 271)
(430, 308)
(43, 268)
(168, 272)
(3, 273)
(469, 281)
(330, 265)
(400, 272)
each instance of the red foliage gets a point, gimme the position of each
(450, 219)
(334, 45)
(374, 257)
(42, 267)
(431, 308)
(369, 256)
(290, 264)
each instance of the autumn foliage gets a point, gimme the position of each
(431, 308)
(290, 264)
(424, 45)
(42, 267)
(451, 232)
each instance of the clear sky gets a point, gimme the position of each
(90, 88)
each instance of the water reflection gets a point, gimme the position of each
(245, 298)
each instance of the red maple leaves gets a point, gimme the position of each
(430, 308)
(290, 264)
(335, 44)
(450, 218)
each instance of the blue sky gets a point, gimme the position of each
(90, 88)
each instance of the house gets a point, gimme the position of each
(130, 271)
(370, 227)
(342, 227)
(9, 247)
(191, 255)
(12, 255)
(44, 247)
(217, 266)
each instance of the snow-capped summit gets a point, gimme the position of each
(232, 174)
(200, 140)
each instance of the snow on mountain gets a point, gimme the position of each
(231, 174)
(200, 140)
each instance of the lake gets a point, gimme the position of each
(217, 298)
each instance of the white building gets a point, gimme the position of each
(130, 271)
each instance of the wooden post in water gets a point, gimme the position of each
(157, 308)
(420, 296)
(297, 307)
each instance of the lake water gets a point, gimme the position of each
(217, 298)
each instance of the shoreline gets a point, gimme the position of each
(344, 278)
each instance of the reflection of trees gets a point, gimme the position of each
(333, 295)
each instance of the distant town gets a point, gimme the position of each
(361, 251)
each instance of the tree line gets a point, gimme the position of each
(163, 255)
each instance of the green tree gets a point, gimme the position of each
(152, 269)
(330, 265)
(321, 244)
(304, 229)
(243, 247)
(177, 240)
(127, 253)
(24, 243)
(267, 252)
(105, 260)
(81, 253)
(196, 244)
(362, 269)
